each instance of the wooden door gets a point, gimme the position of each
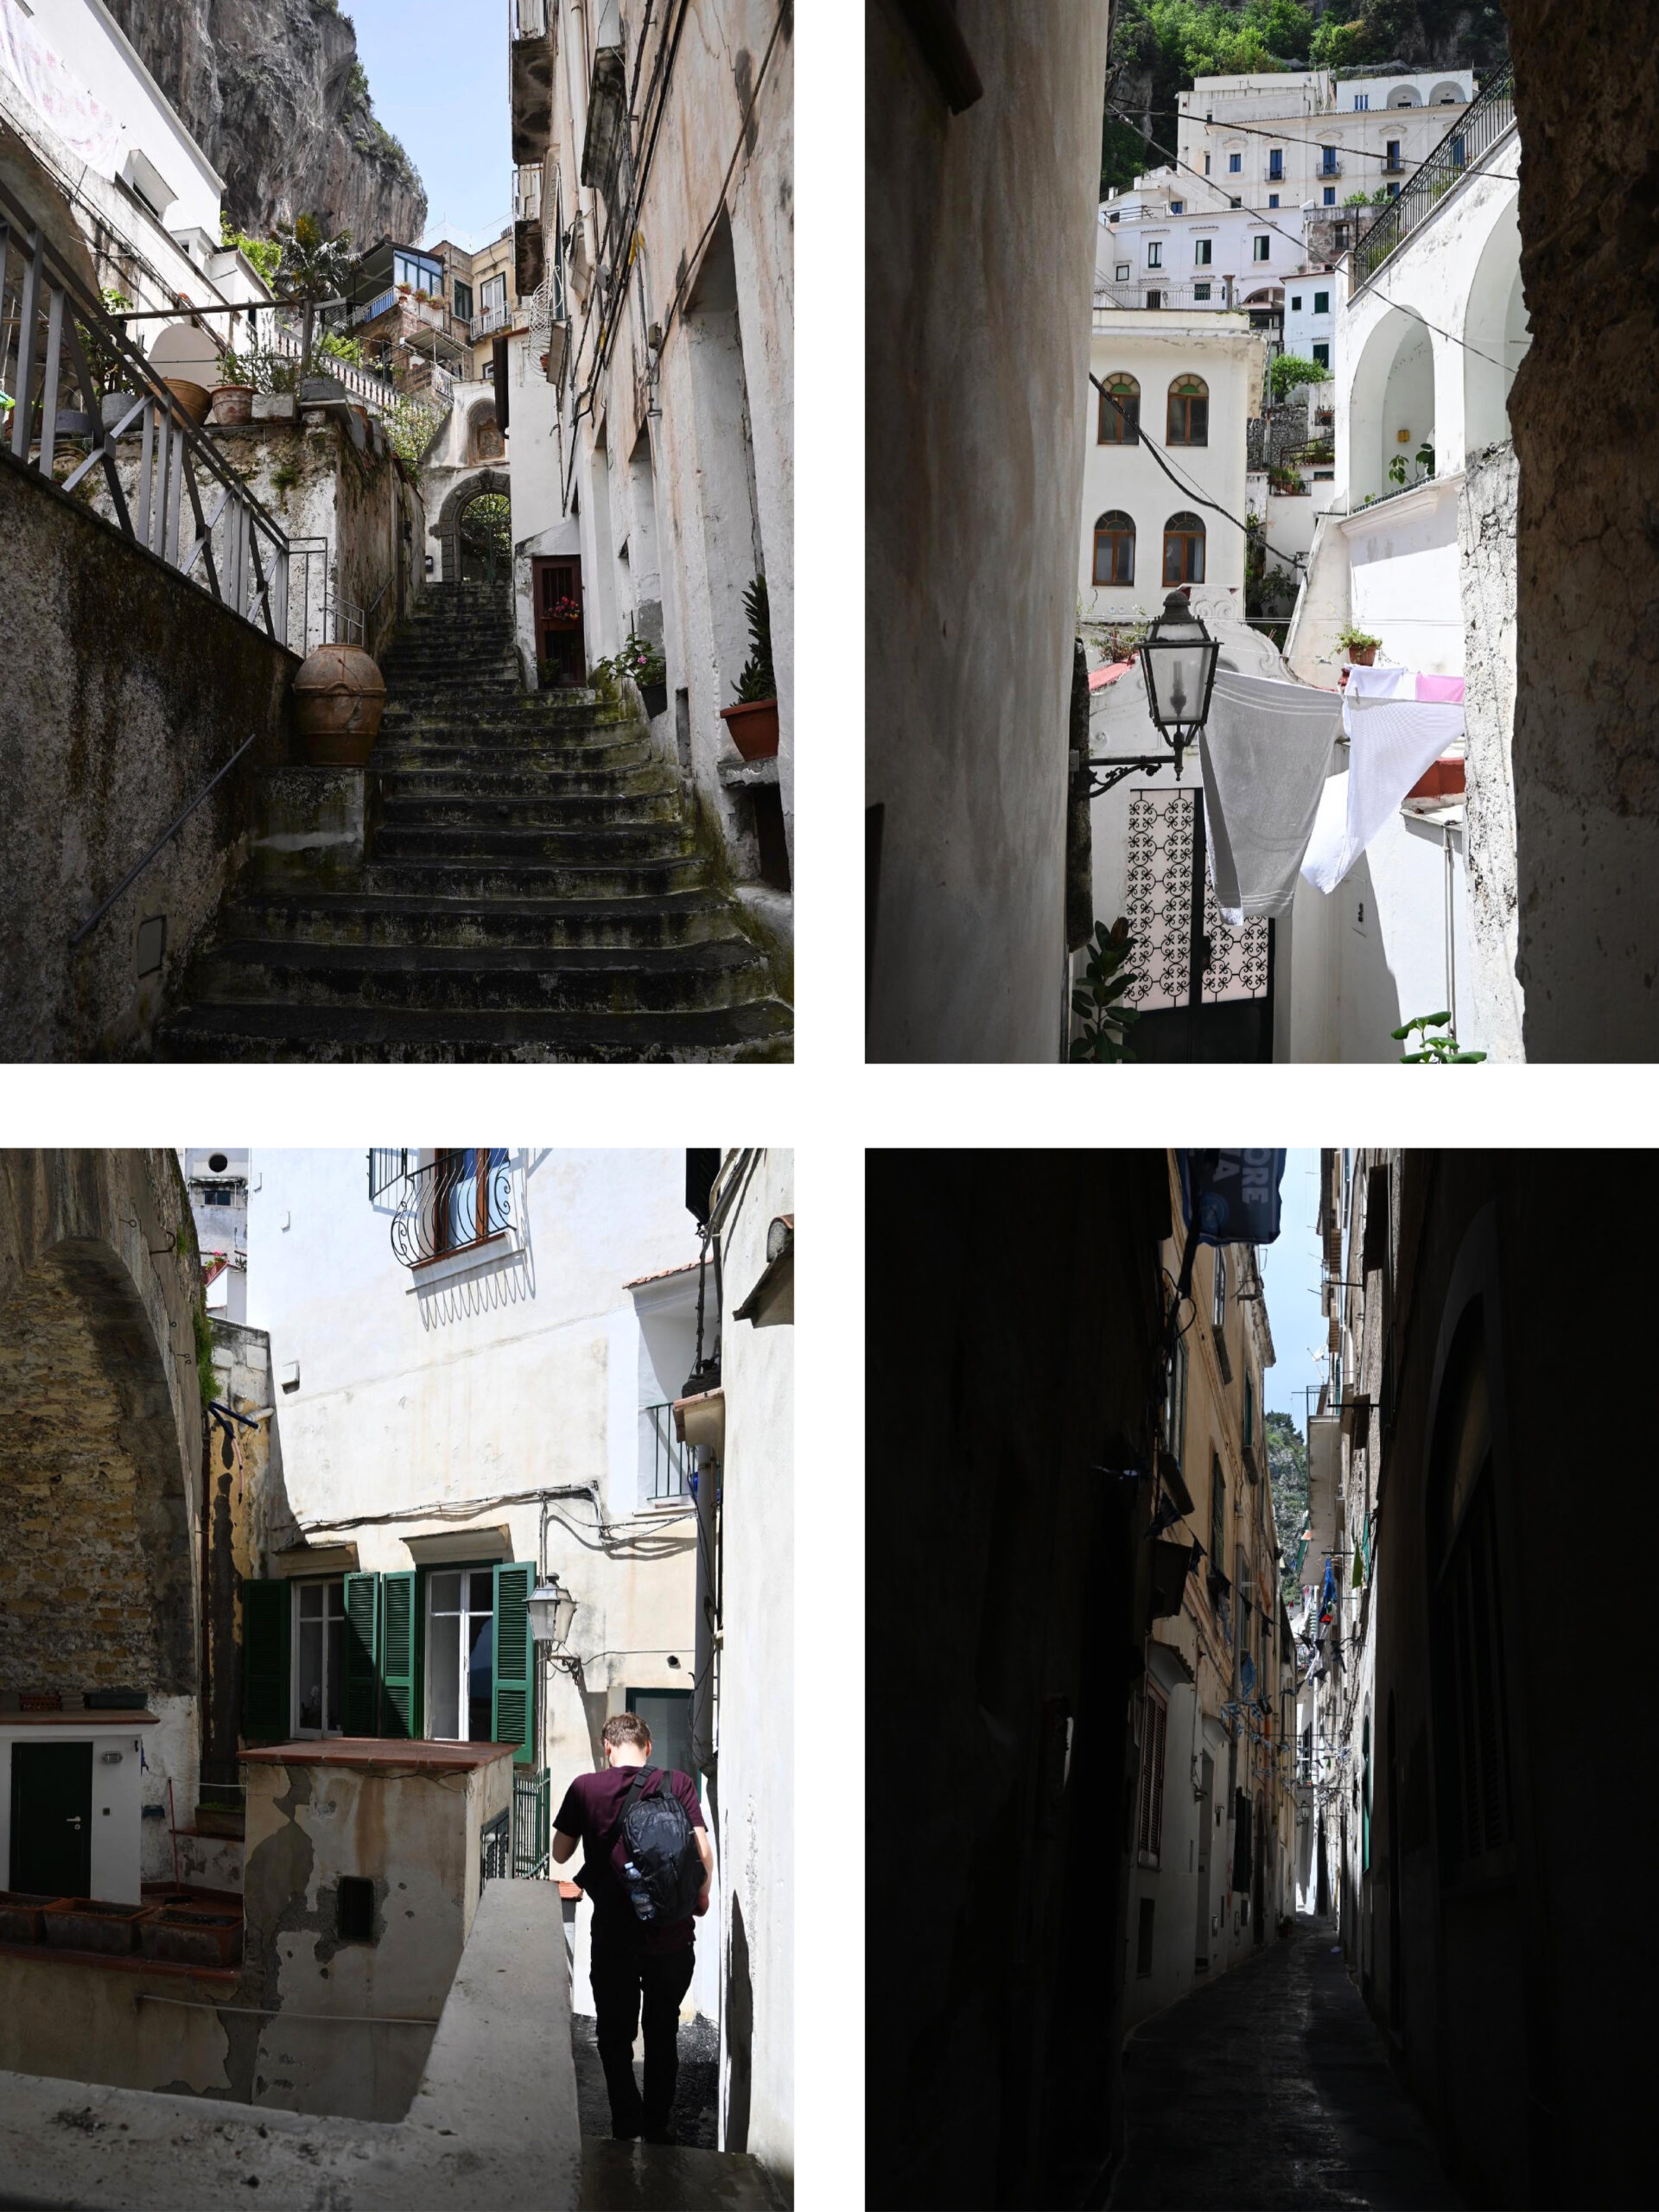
(556, 579)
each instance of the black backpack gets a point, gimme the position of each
(661, 1867)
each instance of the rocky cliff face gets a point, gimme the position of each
(274, 91)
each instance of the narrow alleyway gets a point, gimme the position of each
(1271, 2088)
(532, 891)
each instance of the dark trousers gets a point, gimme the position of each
(623, 1980)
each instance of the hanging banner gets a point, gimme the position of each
(54, 92)
(1231, 1198)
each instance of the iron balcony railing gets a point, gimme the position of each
(532, 1832)
(456, 1202)
(66, 419)
(515, 1844)
(1488, 118)
(492, 319)
(495, 1849)
(671, 1463)
(381, 304)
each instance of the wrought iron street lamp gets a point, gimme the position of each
(551, 1610)
(1177, 658)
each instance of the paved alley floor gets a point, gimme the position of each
(1270, 2087)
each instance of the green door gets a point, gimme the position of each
(52, 1819)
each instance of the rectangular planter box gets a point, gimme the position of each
(89, 1924)
(187, 1936)
(20, 1916)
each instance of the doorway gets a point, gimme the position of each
(667, 1714)
(52, 1819)
(561, 651)
(1206, 1825)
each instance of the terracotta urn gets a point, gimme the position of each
(1362, 656)
(754, 727)
(192, 399)
(232, 403)
(339, 697)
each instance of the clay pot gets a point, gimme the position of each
(339, 698)
(192, 399)
(232, 403)
(1362, 656)
(754, 727)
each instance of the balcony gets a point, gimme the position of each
(1482, 127)
(488, 320)
(664, 1462)
(530, 93)
(460, 1202)
(1329, 167)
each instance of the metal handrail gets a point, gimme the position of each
(173, 449)
(532, 1825)
(133, 873)
(1489, 118)
(495, 1849)
(457, 1203)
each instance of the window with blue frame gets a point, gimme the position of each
(1235, 163)
(1276, 163)
(1329, 195)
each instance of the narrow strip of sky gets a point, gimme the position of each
(1290, 1271)
(437, 72)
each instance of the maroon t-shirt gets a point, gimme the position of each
(593, 1810)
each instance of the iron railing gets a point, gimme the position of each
(532, 1832)
(1489, 118)
(495, 1849)
(459, 1201)
(388, 1164)
(672, 1462)
(1132, 295)
(193, 510)
(516, 1846)
(492, 319)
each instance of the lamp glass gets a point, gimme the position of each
(551, 1610)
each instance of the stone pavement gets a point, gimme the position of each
(1270, 2087)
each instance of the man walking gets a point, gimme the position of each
(641, 1956)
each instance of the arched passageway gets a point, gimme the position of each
(1391, 407)
(467, 548)
(1495, 335)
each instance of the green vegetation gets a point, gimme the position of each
(266, 254)
(357, 83)
(315, 268)
(755, 680)
(1436, 1052)
(408, 429)
(1289, 369)
(339, 348)
(1096, 999)
(1288, 1474)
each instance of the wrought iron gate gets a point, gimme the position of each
(1202, 989)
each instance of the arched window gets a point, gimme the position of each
(1404, 98)
(1189, 412)
(1184, 550)
(1114, 549)
(1120, 424)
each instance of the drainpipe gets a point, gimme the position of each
(1451, 932)
(702, 1678)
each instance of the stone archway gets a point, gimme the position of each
(461, 497)
(100, 1425)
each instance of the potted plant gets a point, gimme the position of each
(232, 396)
(1435, 1051)
(645, 663)
(753, 718)
(1361, 646)
(1097, 1001)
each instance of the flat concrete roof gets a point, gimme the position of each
(377, 1751)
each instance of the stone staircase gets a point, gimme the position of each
(532, 891)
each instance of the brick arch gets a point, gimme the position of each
(100, 1424)
(460, 497)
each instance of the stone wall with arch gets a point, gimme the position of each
(100, 1424)
(470, 485)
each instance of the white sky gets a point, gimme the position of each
(1290, 1269)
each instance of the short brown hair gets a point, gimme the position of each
(626, 1728)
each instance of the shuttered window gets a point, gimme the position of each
(514, 1647)
(360, 1706)
(398, 1703)
(1153, 1730)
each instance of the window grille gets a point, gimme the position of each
(1154, 1727)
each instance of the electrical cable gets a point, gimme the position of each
(1187, 490)
(1290, 138)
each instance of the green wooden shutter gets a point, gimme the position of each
(267, 1608)
(360, 1698)
(397, 1655)
(511, 1719)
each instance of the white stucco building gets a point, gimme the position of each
(1311, 295)
(650, 431)
(1169, 244)
(1192, 381)
(474, 1357)
(1416, 549)
(144, 195)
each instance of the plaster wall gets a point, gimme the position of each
(1155, 348)
(1305, 324)
(1318, 111)
(756, 1748)
(81, 2023)
(481, 1381)
(1405, 585)
(1486, 526)
(1145, 220)
(108, 729)
(713, 271)
(986, 236)
(415, 1834)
